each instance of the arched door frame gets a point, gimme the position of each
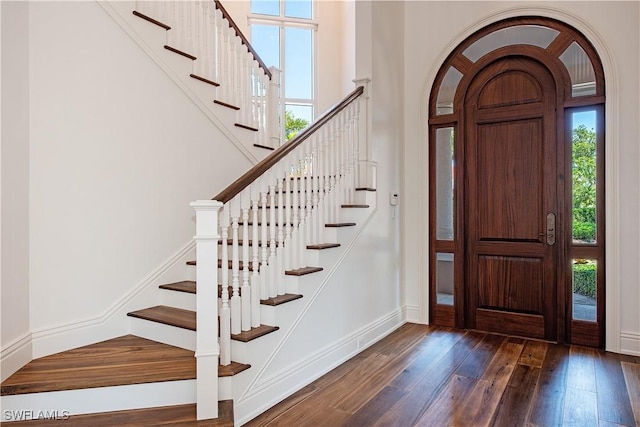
(612, 188)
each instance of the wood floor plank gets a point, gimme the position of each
(474, 366)
(425, 380)
(376, 407)
(580, 408)
(444, 409)
(513, 409)
(547, 405)
(631, 372)
(482, 404)
(533, 354)
(581, 372)
(614, 404)
(290, 403)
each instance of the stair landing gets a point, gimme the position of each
(124, 360)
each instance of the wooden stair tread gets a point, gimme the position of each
(178, 317)
(240, 125)
(263, 146)
(124, 360)
(240, 263)
(355, 206)
(224, 104)
(365, 189)
(149, 19)
(303, 271)
(280, 299)
(204, 80)
(188, 286)
(183, 415)
(254, 333)
(321, 246)
(341, 224)
(179, 52)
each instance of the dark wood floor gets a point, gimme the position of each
(431, 376)
(418, 376)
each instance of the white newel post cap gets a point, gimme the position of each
(206, 217)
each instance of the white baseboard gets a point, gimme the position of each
(630, 343)
(15, 355)
(412, 313)
(114, 321)
(269, 391)
(63, 404)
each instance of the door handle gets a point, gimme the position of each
(551, 230)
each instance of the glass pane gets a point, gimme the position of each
(298, 9)
(444, 103)
(298, 117)
(298, 63)
(521, 34)
(265, 39)
(584, 289)
(444, 278)
(583, 177)
(444, 183)
(265, 7)
(583, 78)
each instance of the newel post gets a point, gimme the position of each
(366, 177)
(207, 348)
(274, 130)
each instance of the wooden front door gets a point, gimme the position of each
(511, 201)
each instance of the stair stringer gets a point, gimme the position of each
(264, 385)
(151, 39)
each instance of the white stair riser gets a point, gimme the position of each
(100, 399)
(166, 334)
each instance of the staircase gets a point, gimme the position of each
(278, 233)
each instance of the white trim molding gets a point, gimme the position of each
(15, 355)
(630, 343)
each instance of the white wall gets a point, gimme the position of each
(117, 152)
(14, 227)
(432, 30)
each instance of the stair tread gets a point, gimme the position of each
(178, 317)
(240, 264)
(355, 206)
(124, 360)
(302, 271)
(188, 286)
(280, 299)
(254, 333)
(321, 246)
(183, 415)
(340, 224)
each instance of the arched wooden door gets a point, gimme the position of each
(512, 199)
(515, 132)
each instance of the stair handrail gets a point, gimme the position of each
(281, 152)
(240, 34)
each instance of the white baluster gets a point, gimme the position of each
(315, 237)
(287, 226)
(273, 286)
(295, 261)
(225, 310)
(235, 268)
(246, 263)
(264, 290)
(280, 250)
(255, 278)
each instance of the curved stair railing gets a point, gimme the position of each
(203, 31)
(263, 223)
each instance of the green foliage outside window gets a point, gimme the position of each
(584, 278)
(293, 124)
(584, 184)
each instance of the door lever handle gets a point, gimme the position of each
(551, 230)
